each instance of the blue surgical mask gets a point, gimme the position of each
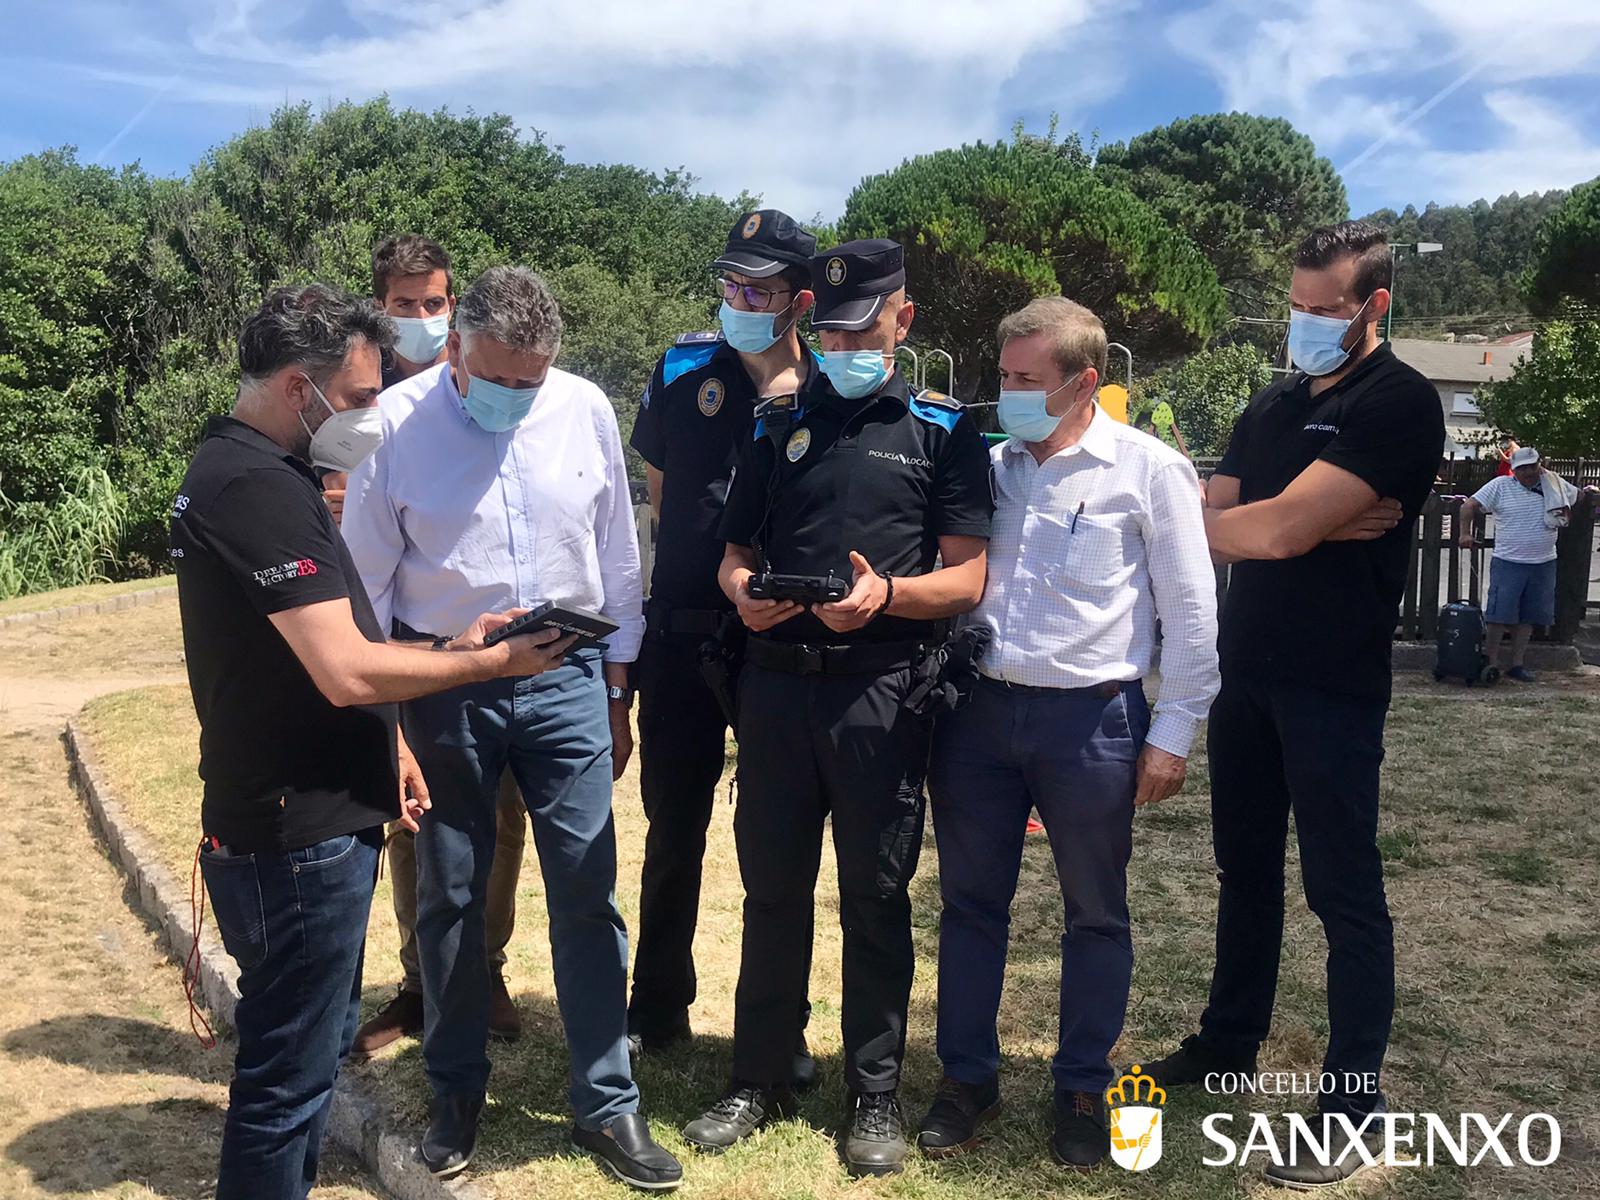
(855, 373)
(751, 332)
(1024, 416)
(421, 338)
(1315, 342)
(494, 406)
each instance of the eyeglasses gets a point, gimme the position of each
(758, 298)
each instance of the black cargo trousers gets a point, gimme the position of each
(814, 745)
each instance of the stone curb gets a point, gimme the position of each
(357, 1123)
(53, 616)
(1542, 656)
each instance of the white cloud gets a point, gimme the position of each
(1537, 146)
(795, 106)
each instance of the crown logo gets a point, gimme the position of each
(1135, 1101)
(1135, 1088)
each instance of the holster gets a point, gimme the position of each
(947, 675)
(721, 659)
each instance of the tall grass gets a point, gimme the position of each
(73, 541)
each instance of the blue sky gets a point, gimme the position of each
(1413, 100)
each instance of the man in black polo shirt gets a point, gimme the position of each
(693, 421)
(295, 689)
(860, 480)
(1315, 502)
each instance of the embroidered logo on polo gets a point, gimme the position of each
(283, 572)
(752, 223)
(836, 271)
(710, 400)
(904, 460)
(799, 443)
(1316, 427)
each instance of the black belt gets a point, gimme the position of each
(1102, 691)
(866, 659)
(661, 621)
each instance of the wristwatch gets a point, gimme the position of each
(621, 695)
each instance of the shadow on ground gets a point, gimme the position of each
(133, 1144)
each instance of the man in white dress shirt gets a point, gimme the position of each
(1098, 533)
(501, 476)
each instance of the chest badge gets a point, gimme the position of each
(799, 443)
(711, 393)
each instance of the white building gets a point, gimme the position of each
(1458, 369)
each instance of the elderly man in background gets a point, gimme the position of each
(502, 480)
(1098, 534)
(1531, 507)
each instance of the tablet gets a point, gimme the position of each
(591, 627)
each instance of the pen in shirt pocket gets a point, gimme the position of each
(1075, 517)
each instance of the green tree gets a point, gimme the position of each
(1207, 392)
(1551, 399)
(1245, 189)
(1566, 254)
(988, 227)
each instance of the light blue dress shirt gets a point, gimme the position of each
(447, 520)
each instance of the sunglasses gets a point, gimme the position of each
(758, 298)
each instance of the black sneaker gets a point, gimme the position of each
(876, 1142)
(626, 1149)
(743, 1109)
(1082, 1138)
(1345, 1159)
(452, 1134)
(959, 1109)
(1193, 1060)
(805, 1067)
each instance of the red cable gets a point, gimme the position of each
(191, 965)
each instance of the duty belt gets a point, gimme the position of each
(865, 659)
(661, 621)
(1103, 691)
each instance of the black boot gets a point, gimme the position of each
(743, 1109)
(959, 1109)
(1082, 1138)
(1193, 1060)
(1345, 1158)
(876, 1143)
(657, 1037)
(452, 1133)
(626, 1149)
(805, 1067)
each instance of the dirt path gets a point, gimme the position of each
(104, 1091)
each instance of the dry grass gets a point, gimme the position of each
(104, 1092)
(1492, 877)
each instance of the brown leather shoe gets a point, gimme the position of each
(505, 1022)
(401, 1017)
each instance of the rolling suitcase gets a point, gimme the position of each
(1461, 630)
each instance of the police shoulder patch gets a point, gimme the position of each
(936, 408)
(686, 356)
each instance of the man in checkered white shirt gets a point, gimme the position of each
(1097, 534)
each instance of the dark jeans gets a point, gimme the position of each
(811, 746)
(1073, 758)
(682, 748)
(295, 922)
(553, 731)
(1276, 747)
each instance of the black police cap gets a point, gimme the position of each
(764, 242)
(851, 281)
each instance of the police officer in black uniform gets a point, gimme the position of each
(862, 481)
(693, 421)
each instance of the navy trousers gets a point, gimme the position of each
(295, 922)
(1276, 747)
(553, 731)
(1071, 756)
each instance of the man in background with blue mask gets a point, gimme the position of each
(503, 476)
(414, 283)
(1315, 502)
(694, 419)
(864, 482)
(1098, 535)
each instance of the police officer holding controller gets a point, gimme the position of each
(862, 481)
(694, 420)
